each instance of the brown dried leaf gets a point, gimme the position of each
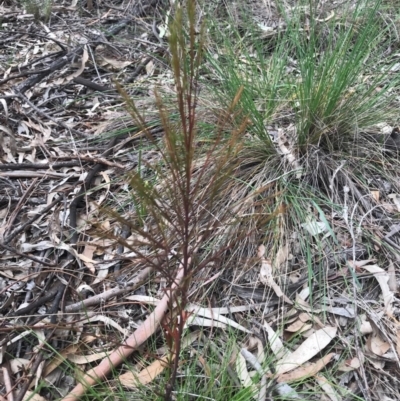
(281, 256)
(307, 350)
(149, 373)
(299, 323)
(377, 345)
(87, 257)
(84, 59)
(383, 279)
(84, 359)
(306, 371)
(328, 388)
(375, 195)
(145, 376)
(349, 364)
(266, 275)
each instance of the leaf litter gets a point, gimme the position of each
(58, 145)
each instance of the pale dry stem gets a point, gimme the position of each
(142, 333)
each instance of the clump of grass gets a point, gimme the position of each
(338, 89)
(310, 158)
(238, 61)
(311, 99)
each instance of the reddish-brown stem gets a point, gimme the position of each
(141, 334)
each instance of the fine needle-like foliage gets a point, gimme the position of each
(176, 226)
(225, 225)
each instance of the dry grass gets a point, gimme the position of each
(262, 207)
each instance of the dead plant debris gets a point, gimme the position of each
(80, 294)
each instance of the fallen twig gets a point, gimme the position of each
(97, 299)
(137, 338)
(15, 252)
(32, 219)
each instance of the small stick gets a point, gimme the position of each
(138, 337)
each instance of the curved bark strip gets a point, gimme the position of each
(137, 338)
